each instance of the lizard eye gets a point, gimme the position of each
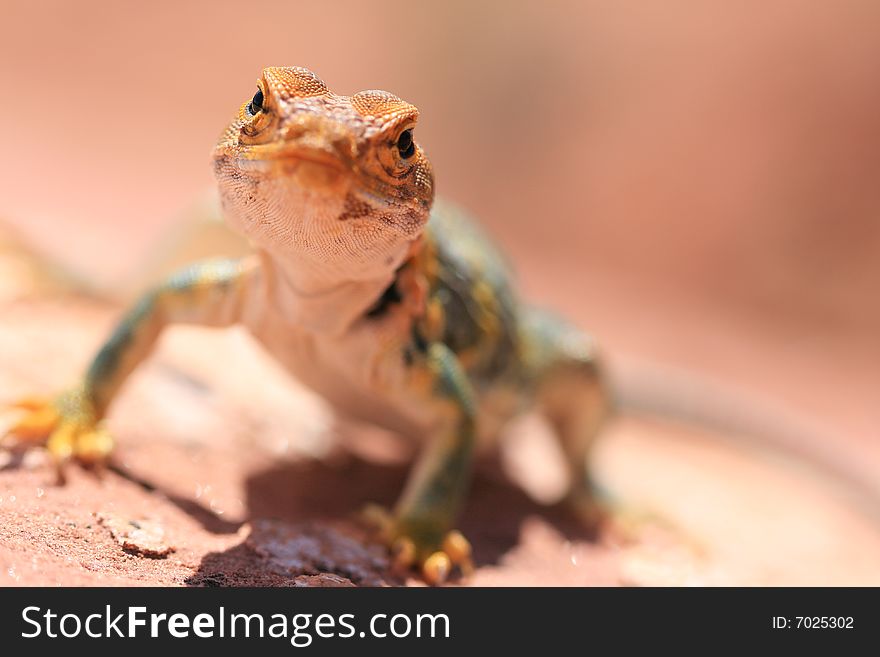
(405, 144)
(256, 105)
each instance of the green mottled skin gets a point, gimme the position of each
(138, 329)
(532, 356)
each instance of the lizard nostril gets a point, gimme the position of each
(346, 147)
(293, 131)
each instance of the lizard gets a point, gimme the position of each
(396, 309)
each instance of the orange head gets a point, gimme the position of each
(337, 182)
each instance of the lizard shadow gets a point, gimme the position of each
(295, 502)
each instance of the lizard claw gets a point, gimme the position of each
(435, 562)
(65, 426)
(436, 568)
(459, 551)
(602, 512)
(455, 551)
(37, 423)
(403, 553)
(377, 517)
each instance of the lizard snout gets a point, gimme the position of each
(320, 139)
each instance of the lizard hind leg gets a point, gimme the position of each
(571, 392)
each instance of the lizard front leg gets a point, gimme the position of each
(420, 528)
(70, 424)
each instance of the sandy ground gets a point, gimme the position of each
(241, 477)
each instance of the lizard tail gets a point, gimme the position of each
(746, 419)
(197, 233)
(26, 273)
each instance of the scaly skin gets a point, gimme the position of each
(396, 313)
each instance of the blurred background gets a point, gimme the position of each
(698, 183)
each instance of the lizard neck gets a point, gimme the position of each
(324, 305)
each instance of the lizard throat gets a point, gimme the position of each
(321, 307)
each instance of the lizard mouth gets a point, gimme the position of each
(297, 153)
(311, 169)
(319, 172)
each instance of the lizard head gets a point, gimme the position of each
(335, 183)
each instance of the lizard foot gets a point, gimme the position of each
(65, 426)
(603, 512)
(434, 554)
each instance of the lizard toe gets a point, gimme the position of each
(63, 426)
(435, 560)
(455, 552)
(34, 427)
(609, 515)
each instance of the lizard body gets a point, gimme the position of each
(396, 311)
